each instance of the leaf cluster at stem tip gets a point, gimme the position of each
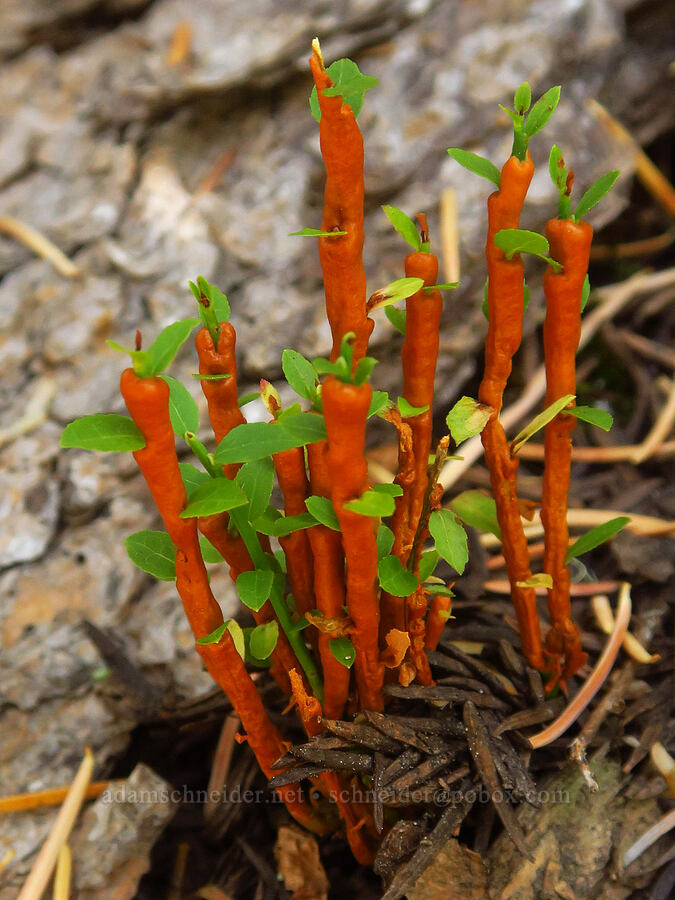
(563, 179)
(348, 83)
(343, 365)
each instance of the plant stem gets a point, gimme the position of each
(202, 455)
(262, 561)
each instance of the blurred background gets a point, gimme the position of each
(156, 140)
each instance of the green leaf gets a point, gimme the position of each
(140, 358)
(517, 240)
(393, 490)
(522, 98)
(348, 82)
(478, 511)
(264, 639)
(444, 286)
(439, 589)
(339, 368)
(394, 579)
(299, 373)
(467, 418)
(153, 552)
(254, 440)
(542, 111)
(167, 344)
(304, 428)
(103, 431)
(599, 417)
(221, 377)
(404, 225)
(385, 541)
(364, 369)
(267, 523)
(192, 476)
(585, 293)
(323, 511)
(541, 579)
(218, 300)
(343, 650)
(209, 552)
(407, 410)
(254, 588)
(595, 193)
(476, 164)
(540, 421)
(428, 563)
(396, 317)
(249, 398)
(316, 232)
(183, 410)
(214, 496)
(450, 538)
(557, 171)
(596, 536)
(236, 634)
(288, 524)
(248, 656)
(379, 402)
(391, 293)
(256, 479)
(372, 503)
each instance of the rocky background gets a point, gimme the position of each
(149, 161)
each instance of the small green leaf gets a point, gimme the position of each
(254, 588)
(153, 552)
(267, 523)
(102, 431)
(264, 638)
(300, 374)
(476, 164)
(557, 171)
(596, 536)
(348, 82)
(522, 98)
(379, 402)
(323, 511)
(236, 634)
(542, 111)
(407, 410)
(392, 490)
(404, 225)
(391, 293)
(540, 421)
(289, 524)
(339, 368)
(221, 377)
(256, 479)
(394, 579)
(385, 541)
(183, 410)
(218, 300)
(214, 496)
(467, 418)
(141, 360)
(209, 552)
(343, 650)
(478, 511)
(450, 538)
(372, 503)
(428, 563)
(396, 317)
(595, 193)
(192, 476)
(254, 440)
(167, 344)
(248, 656)
(485, 306)
(316, 232)
(599, 417)
(516, 240)
(439, 589)
(304, 428)
(585, 293)
(364, 369)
